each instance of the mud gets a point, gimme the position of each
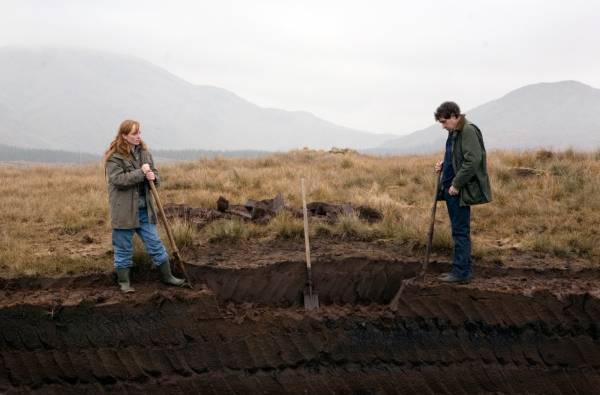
(517, 328)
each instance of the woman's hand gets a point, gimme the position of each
(148, 172)
(438, 166)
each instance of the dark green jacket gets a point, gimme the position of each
(124, 174)
(470, 166)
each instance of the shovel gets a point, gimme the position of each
(393, 305)
(311, 300)
(174, 248)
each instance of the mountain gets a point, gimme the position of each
(74, 100)
(553, 115)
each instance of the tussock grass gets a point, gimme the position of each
(49, 211)
(285, 227)
(184, 233)
(350, 227)
(229, 231)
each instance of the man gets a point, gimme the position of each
(464, 183)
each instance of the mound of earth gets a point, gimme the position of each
(262, 211)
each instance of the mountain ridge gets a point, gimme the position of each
(541, 115)
(74, 99)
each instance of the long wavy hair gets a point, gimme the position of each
(119, 144)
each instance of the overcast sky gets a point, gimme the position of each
(379, 66)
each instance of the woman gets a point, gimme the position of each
(129, 165)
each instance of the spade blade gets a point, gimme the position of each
(311, 300)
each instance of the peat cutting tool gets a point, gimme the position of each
(163, 217)
(311, 299)
(393, 305)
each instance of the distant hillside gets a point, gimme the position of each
(75, 99)
(552, 115)
(16, 154)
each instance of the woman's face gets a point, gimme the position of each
(134, 137)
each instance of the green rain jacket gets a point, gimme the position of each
(470, 166)
(124, 174)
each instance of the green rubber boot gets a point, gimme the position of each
(167, 277)
(123, 280)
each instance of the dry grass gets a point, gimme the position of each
(55, 218)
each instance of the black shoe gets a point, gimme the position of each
(453, 278)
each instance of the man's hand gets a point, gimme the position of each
(452, 191)
(438, 166)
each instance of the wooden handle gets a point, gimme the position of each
(431, 224)
(396, 299)
(306, 238)
(163, 217)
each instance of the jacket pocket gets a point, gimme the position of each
(471, 192)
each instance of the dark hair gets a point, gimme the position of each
(446, 110)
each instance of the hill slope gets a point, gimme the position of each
(75, 99)
(552, 115)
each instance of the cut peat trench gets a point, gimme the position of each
(510, 331)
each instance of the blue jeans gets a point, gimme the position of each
(460, 220)
(122, 241)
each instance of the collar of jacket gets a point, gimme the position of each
(136, 151)
(461, 123)
(129, 158)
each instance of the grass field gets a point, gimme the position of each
(55, 218)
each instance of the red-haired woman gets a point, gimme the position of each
(129, 165)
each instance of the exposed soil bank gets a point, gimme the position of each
(510, 331)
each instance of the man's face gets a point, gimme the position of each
(450, 123)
